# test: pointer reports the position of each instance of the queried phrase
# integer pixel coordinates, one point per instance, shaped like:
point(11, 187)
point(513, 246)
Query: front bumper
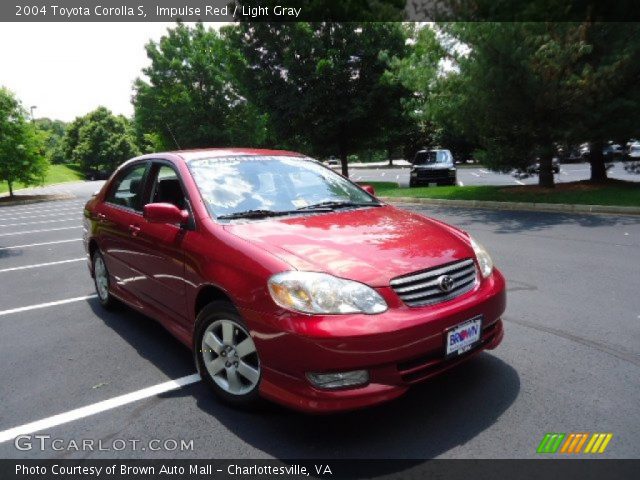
point(398, 348)
point(427, 176)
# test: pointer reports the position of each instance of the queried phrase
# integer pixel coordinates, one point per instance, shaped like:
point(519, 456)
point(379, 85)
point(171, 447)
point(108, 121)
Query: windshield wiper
point(262, 213)
point(332, 204)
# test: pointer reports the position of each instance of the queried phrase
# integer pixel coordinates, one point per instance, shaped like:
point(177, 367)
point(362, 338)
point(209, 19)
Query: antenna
point(173, 136)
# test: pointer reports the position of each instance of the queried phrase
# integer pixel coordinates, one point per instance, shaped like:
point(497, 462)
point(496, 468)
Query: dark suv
point(433, 166)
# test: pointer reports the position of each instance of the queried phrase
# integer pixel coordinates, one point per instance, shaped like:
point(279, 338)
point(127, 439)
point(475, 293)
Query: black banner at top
point(316, 10)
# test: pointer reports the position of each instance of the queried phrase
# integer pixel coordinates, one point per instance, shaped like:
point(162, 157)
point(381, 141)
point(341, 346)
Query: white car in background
point(634, 151)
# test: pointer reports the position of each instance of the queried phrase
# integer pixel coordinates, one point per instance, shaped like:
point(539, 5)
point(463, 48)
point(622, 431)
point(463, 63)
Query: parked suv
point(432, 167)
point(288, 281)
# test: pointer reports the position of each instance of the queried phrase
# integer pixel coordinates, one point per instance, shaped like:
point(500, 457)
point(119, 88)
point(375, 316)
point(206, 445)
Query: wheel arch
point(207, 294)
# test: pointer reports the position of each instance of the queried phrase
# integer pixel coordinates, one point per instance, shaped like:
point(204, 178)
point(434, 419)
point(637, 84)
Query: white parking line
point(38, 265)
point(45, 305)
point(483, 171)
point(39, 222)
point(474, 174)
point(32, 206)
point(519, 182)
point(10, 211)
point(99, 407)
point(46, 215)
point(28, 245)
point(37, 231)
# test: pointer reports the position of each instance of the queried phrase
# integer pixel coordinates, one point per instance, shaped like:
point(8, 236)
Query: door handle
point(134, 230)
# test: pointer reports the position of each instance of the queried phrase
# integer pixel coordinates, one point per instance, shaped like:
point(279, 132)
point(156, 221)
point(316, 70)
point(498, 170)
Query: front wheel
point(226, 356)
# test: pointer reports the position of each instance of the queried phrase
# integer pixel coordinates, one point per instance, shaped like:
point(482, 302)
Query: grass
point(55, 174)
point(614, 192)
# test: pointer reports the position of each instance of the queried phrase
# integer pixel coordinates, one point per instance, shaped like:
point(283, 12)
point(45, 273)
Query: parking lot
point(476, 175)
point(570, 361)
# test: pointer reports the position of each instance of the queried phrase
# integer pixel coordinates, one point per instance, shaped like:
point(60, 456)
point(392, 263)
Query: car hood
point(370, 245)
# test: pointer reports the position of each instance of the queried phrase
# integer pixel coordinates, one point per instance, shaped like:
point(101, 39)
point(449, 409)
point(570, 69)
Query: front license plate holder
point(463, 337)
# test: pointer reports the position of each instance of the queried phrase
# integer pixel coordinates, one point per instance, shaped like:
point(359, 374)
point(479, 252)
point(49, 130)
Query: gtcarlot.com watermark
point(45, 443)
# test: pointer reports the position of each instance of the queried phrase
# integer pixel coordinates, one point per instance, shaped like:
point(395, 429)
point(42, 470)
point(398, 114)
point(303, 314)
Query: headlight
point(484, 259)
point(313, 292)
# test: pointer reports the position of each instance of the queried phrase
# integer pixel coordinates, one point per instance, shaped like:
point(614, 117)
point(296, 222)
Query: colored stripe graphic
point(598, 443)
point(550, 443)
point(574, 443)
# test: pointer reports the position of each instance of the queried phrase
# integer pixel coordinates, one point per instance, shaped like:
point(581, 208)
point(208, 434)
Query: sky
point(68, 69)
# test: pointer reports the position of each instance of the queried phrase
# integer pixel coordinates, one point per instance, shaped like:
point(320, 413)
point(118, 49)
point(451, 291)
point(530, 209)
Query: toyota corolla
point(288, 281)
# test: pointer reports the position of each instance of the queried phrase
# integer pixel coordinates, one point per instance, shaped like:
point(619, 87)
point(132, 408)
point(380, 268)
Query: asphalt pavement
point(570, 360)
point(473, 175)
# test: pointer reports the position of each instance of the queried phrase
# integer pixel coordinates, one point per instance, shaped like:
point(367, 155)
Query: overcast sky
point(68, 69)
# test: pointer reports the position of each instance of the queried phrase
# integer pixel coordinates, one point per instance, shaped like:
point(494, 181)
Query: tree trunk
point(343, 163)
point(390, 153)
point(545, 177)
point(596, 158)
point(10, 188)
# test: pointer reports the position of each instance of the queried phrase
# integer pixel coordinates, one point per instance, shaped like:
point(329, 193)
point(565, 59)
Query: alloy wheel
point(230, 357)
point(102, 278)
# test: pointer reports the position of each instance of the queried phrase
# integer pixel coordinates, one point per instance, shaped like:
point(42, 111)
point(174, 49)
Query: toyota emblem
point(445, 283)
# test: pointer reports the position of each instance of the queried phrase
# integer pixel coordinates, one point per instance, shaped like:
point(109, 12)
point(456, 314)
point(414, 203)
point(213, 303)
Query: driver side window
point(167, 187)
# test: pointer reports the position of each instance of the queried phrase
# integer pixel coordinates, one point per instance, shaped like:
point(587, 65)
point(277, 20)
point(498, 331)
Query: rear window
point(127, 190)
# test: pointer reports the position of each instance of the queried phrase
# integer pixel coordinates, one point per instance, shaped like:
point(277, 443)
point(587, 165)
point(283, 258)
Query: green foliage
point(191, 99)
point(522, 88)
point(99, 141)
point(577, 193)
point(21, 145)
point(54, 132)
point(322, 84)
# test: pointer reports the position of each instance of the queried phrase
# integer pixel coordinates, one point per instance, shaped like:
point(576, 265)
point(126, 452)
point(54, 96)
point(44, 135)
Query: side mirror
point(165, 213)
point(369, 189)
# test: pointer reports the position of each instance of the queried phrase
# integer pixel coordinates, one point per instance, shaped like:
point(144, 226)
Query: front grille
point(423, 288)
point(432, 173)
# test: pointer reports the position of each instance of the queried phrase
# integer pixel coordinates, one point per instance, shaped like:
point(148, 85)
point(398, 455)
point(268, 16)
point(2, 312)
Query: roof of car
point(226, 152)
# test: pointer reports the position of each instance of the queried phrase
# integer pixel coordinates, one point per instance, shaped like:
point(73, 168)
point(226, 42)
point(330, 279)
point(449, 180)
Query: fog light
point(339, 379)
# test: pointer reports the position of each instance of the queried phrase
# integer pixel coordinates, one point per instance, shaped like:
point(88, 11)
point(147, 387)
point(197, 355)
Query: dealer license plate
point(463, 337)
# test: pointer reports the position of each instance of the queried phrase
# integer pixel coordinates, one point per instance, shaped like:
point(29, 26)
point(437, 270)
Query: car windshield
point(426, 158)
point(255, 186)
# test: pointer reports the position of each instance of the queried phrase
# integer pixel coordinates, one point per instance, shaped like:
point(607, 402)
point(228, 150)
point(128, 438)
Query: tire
point(226, 356)
point(102, 281)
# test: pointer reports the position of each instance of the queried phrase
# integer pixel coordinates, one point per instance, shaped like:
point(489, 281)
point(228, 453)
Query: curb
point(521, 206)
point(41, 198)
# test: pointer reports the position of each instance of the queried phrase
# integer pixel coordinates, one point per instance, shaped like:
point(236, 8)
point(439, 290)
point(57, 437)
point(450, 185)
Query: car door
point(117, 217)
point(160, 257)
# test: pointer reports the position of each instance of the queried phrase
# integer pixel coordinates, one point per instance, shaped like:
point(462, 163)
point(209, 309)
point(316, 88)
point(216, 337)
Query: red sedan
point(288, 281)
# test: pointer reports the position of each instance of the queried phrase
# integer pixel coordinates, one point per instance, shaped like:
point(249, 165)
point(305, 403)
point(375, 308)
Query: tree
point(515, 89)
point(607, 79)
point(21, 145)
point(322, 84)
point(191, 99)
point(99, 141)
point(54, 132)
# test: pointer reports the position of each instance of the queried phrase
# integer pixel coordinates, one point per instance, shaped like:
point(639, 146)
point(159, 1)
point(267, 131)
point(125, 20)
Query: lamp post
point(33, 107)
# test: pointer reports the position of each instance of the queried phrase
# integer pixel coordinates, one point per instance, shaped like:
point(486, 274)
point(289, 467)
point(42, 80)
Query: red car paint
point(168, 273)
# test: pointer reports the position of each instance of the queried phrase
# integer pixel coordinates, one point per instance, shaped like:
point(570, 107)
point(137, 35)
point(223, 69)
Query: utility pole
point(33, 107)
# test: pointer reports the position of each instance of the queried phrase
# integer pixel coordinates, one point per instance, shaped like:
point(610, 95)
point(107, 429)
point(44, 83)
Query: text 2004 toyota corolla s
point(288, 281)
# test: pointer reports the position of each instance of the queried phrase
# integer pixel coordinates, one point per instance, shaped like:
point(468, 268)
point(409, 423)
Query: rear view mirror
point(165, 213)
point(369, 189)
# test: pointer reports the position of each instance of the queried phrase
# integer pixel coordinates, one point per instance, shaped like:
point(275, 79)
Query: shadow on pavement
point(506, 221)
point(431, 419)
